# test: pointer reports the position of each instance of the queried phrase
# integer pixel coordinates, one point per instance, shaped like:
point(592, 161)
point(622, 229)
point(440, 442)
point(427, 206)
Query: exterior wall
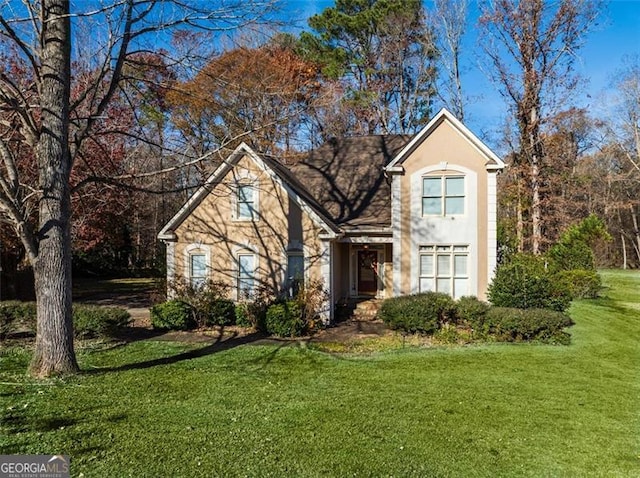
point(341, 268)
point(388, 271)
point(280, 226)
point(444, 151)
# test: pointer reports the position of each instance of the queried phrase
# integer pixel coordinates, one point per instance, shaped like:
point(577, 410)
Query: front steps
point(358, 310)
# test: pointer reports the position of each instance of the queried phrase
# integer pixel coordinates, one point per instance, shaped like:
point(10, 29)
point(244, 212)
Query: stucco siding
point(279, 226)
point(445, 152)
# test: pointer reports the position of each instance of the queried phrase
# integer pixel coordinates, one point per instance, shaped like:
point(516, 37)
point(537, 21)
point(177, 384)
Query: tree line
point(111, 113)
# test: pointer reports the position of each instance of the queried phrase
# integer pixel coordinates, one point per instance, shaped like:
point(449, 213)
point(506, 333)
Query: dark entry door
point(367, 272)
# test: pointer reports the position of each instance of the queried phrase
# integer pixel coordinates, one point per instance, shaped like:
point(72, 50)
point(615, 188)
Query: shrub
point(574, 249)
point(172, 315)
point(92, 321)
point(219, 312)
point(89, 321)
point(515, 325)
point(15, 315)
point(582, 284)
point(422, 313)
point(472, 311)
point(525, 283)
point(242, 315)
point(310, 299)
point(284, 319)
point(207, 302)
point(577, 255)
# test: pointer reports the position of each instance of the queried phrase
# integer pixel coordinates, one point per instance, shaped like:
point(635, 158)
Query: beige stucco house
point(374, 216)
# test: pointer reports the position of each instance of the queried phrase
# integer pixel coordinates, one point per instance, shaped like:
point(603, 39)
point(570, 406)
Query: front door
point(367, 272)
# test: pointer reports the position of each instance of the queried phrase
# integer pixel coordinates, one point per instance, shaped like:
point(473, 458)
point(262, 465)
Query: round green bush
point(525, 283)
point(516, 325)
point(92, 321)
point(15, 315)
point(242, 315)
point(172, 315)
point(284, 319)
point(472, 311)
point(582, 284)
point(220, 312)
point(419, 313)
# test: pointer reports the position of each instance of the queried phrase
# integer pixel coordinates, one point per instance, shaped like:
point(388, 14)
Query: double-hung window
point(246, 202)
point(445, 268)
point(197, 270)
point(295, 273)
point(246, 275)
point(443, 195)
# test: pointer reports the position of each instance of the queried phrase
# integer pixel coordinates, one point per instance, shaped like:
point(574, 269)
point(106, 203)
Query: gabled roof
point(346, 176)
point(295, 190)
point(493, 161)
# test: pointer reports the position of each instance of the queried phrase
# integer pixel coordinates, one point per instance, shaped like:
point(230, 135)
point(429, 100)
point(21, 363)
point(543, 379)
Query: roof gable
point(275, 170)
point(492, 160)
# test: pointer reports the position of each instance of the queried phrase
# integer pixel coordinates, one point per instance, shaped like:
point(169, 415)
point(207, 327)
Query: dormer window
point(443, 195)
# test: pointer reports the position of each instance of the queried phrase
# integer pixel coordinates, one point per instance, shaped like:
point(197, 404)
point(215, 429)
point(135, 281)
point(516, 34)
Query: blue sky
point(617, 35)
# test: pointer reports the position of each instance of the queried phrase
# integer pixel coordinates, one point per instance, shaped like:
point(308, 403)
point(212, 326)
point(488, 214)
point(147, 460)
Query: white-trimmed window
point(197, 270)
point(445, 268)
point(443, 195)
point(246, 275)
point(246, 204)
point(295, 273)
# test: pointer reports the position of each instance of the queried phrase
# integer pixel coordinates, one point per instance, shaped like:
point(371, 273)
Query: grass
point(88, 287)
point(152, 409)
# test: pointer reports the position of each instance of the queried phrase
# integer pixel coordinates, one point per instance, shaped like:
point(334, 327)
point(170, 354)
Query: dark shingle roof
point(345, 178)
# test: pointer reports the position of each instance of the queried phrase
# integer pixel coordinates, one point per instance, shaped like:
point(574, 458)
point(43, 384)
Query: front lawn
point(151, 408)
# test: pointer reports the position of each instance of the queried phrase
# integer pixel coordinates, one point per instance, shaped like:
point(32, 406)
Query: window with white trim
point(246, 202)
point(197, 270)
point(445, 268)
point(246, 275)
point(295, 273)
point(443, 195)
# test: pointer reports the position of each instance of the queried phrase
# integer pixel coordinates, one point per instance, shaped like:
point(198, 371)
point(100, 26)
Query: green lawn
point(263, 410)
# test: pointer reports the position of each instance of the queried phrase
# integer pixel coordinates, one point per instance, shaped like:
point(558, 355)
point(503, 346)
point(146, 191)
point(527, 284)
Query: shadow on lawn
point(220, 344)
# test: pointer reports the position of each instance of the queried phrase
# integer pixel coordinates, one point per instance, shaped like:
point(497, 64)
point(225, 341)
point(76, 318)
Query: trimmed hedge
point(525, 283)
point(89, 321)
point(418, 313)
point(439, 315)
point(220, 312)
point(472, 311)
point(582, 284)
point(517, 325)
point(92, 321)
point(284, 319)
point(172, 315)
point(15, 315)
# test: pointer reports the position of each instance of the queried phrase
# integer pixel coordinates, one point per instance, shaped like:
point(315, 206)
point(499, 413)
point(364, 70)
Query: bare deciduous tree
point(450, 20)
point(531, 47)
point(42, 120)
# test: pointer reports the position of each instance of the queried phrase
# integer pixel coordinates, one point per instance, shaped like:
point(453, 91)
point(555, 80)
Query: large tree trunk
point(536, 208)
point(54, 351)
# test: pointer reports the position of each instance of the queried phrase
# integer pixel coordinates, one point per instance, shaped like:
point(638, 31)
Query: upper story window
point(443, 195)
point(246, 202)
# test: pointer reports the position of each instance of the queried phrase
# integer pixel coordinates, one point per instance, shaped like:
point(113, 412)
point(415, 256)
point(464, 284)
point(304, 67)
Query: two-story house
point(373, 216)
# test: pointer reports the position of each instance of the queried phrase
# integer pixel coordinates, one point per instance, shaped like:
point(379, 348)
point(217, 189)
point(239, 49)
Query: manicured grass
point(88, 287)
point(267, 410)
